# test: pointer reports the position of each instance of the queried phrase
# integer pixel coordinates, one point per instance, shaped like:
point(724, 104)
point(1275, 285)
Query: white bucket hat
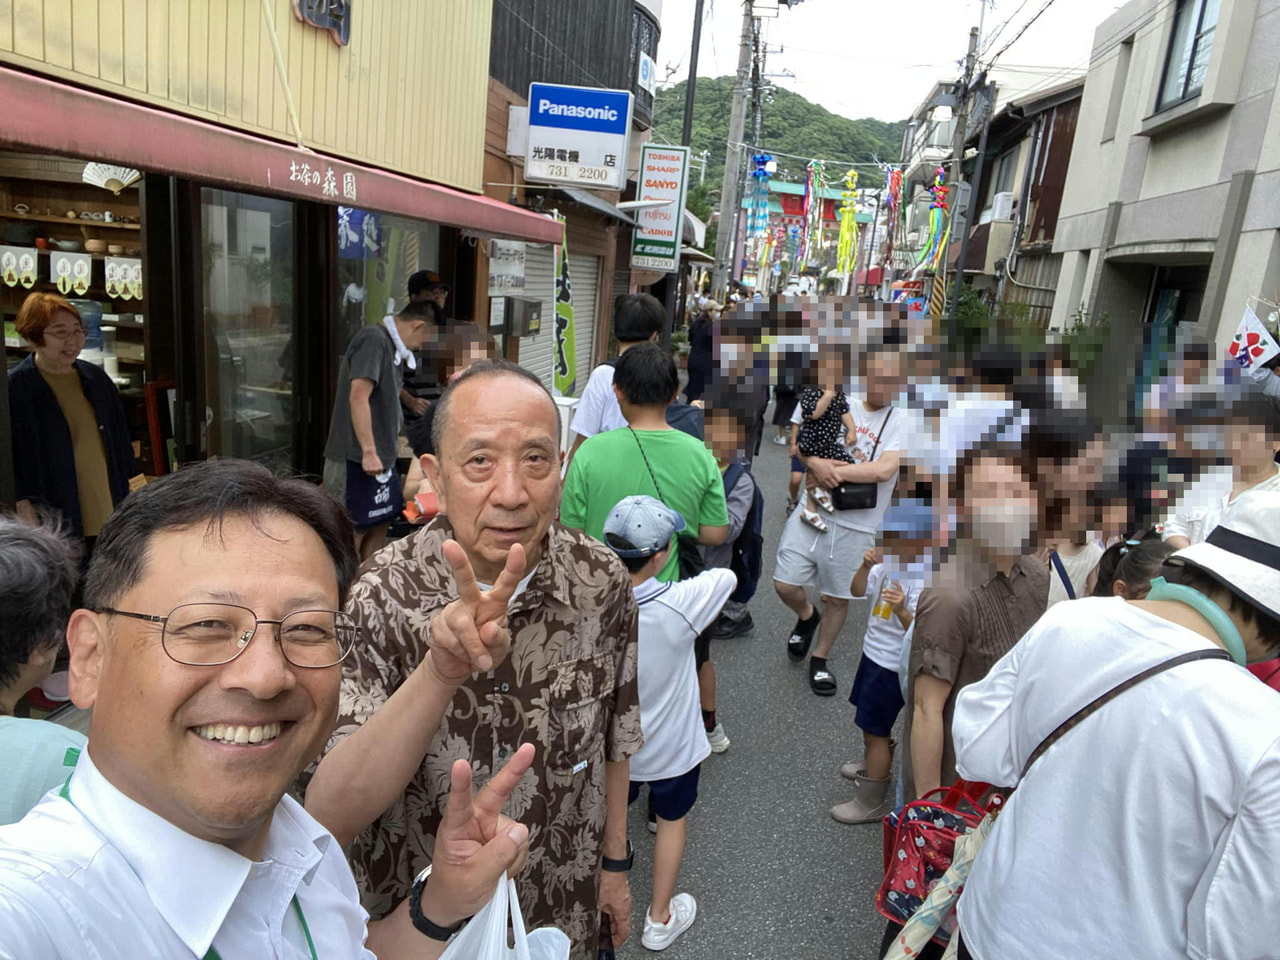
point(1243, 552)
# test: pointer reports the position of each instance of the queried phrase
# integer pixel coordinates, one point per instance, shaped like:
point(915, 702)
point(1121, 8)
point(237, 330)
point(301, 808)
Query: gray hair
point(483, 368)
point(39, 570)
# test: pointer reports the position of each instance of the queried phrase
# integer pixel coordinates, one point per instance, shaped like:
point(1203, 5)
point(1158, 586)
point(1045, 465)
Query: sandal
point(813, 520)
point(823, 499)
point(802, 636)
point(822, 682)
point(791, 505)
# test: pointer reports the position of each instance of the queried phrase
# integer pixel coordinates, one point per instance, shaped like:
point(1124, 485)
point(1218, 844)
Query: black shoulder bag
point(687, 552)
point(860, 496)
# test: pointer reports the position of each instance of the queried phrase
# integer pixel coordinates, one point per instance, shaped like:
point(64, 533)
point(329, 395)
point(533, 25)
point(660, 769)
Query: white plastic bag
point(485, 935)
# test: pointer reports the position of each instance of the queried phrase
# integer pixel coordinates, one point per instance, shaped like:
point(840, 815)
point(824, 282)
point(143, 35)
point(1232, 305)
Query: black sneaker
point(726, 629)
point(802, 636)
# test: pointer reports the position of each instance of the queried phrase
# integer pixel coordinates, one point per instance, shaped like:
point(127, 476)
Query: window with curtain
point(1190, 44)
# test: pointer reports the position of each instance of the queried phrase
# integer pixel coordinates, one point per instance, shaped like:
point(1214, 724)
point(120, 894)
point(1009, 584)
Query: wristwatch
point(619, 866)
point(420, 921)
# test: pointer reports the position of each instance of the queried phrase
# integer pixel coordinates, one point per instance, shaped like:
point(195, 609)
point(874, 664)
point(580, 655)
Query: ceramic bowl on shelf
point(67, 246)
point(42, 243)
point(21, 209)
point(115, 249)
point(96, 246)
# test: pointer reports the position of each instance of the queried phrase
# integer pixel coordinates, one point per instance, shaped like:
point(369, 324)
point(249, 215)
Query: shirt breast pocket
point(578, 702)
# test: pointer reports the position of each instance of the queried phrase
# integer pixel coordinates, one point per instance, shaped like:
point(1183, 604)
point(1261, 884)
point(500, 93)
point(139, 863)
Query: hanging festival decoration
point(846, 248)
point(758, 205)
point(893, 209)
point(811, 227)
point(939, 224)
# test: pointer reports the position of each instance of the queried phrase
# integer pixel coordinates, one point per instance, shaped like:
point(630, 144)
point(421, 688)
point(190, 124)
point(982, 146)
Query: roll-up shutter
point(539, 284)
point(584, 274)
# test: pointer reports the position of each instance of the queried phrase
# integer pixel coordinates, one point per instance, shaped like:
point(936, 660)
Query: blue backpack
point(748, 548)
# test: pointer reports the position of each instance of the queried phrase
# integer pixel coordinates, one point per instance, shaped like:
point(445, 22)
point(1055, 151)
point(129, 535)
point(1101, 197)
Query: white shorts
point(828, 560)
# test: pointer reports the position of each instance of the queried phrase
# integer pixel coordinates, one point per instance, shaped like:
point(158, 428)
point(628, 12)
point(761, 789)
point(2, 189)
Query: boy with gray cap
point(641, 530)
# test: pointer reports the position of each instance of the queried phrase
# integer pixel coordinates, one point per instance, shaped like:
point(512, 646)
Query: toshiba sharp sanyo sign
point(578, 135)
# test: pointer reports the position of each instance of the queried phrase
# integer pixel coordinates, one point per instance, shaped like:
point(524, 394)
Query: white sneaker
point(659, 936)
point(716, 737)
point(780, 441)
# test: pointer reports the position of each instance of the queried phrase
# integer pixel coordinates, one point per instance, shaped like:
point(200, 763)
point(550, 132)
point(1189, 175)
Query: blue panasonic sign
point(579, 108)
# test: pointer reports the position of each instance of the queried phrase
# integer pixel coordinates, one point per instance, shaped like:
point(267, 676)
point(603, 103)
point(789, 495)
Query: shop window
point(1190, 44)
point(377, 253)
point(249, 329)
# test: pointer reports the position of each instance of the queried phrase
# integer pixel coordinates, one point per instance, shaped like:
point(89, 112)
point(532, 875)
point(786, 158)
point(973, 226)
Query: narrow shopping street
point(773, 874)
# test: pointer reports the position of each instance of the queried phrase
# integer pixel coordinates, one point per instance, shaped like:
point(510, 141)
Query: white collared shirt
point(90, 874)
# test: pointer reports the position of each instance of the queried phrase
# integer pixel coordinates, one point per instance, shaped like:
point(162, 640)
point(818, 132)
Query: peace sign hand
point(470, 634)
point(475, 843)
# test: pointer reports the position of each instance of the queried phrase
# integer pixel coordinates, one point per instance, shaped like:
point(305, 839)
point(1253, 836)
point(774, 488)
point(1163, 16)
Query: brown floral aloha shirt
point(568, 686)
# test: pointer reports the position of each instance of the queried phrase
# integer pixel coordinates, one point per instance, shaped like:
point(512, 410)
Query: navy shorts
point(796, 465)
point(670, 799)
point(877, 695)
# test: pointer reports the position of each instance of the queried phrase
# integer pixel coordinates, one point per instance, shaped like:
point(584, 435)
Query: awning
point(586, 198)
point(42, 114)
point(690, 255)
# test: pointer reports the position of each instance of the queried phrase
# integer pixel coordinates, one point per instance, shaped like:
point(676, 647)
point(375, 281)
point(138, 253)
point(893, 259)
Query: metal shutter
point(584, 274)
point(539, 284)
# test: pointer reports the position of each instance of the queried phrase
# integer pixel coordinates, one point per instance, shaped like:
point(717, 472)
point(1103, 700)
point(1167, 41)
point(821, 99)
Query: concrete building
point(1171, 212)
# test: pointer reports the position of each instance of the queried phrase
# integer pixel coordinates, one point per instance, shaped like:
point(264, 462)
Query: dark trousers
point(931, 950)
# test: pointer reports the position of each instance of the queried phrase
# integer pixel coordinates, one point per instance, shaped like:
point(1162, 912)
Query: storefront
point(255, 263)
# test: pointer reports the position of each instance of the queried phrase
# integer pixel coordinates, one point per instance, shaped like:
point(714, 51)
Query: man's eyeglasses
point(209, 634)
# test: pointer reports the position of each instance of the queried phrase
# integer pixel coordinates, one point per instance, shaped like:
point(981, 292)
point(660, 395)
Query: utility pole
point(957, 153)
point(725, 236)
point(686, 132)
point(675, 286)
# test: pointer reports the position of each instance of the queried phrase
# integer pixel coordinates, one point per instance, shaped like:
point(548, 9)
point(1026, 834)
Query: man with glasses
point(172, 835)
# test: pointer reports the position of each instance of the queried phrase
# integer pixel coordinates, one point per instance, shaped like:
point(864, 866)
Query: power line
point(995, 35)
point(1034, 17)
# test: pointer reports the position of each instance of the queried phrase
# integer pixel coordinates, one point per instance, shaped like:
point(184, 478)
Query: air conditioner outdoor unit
point(1002, 206)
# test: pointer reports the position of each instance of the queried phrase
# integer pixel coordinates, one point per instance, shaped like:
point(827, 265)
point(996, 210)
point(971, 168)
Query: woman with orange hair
point(71, 447)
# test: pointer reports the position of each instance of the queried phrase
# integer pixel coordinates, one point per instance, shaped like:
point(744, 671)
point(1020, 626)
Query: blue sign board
point(578, 135)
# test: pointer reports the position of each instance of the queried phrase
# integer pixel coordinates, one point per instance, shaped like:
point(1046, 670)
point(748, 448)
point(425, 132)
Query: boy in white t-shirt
point(639, 530)
point(892, 578)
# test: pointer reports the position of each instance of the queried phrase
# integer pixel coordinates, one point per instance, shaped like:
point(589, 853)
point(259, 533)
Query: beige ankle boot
point(870, 803)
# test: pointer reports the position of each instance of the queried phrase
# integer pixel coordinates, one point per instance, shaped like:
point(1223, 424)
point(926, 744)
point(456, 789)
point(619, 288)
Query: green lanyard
point(72, 757)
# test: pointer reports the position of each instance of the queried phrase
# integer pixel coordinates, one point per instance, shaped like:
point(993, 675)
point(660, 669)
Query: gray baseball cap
point(645, 523)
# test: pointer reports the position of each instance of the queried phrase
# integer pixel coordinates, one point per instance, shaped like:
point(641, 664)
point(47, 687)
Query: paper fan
point(110, 177)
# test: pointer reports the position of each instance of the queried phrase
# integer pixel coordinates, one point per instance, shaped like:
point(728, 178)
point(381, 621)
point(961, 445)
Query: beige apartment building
point(1170, 219)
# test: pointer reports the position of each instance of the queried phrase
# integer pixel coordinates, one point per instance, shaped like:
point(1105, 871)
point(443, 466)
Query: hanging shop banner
point(124, 278)
point(18, 266)
point(647, 74)
point(565, 358)
point(359, 234)
point(70, 272)
point(655, 242)
point(506, 268)
point(578, 135)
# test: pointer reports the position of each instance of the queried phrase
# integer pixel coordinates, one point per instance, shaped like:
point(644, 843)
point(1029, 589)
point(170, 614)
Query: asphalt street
point(774, 876)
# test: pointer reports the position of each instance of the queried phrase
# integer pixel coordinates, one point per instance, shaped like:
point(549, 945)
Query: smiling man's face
point(153, 718)
point(498, 469)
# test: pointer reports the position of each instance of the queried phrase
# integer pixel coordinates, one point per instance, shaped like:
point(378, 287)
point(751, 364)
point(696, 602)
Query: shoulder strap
point(652, 475)
point(1062, 573)
point(876, 446)
point(732, 474)
point(1072, 721)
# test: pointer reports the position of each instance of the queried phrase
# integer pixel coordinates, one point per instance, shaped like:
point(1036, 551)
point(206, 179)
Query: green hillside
point(790, 124)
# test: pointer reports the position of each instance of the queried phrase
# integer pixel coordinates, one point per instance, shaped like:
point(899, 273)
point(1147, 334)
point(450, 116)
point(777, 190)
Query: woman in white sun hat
point(1151, 829)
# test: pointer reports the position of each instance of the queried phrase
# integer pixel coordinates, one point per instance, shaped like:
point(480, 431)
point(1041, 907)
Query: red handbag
point(919, 842)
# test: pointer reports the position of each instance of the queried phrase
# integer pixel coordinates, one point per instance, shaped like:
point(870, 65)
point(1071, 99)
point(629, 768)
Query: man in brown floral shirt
point(568, 684)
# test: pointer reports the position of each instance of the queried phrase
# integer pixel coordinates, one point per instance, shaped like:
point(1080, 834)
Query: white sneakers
point(659, 936)
point(716, 737)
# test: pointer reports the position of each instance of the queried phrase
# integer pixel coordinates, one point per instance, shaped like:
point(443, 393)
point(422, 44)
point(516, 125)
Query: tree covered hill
point(790, 124)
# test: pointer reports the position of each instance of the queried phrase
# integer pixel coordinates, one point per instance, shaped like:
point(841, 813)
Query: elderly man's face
point(498, 469)
point(149, 712)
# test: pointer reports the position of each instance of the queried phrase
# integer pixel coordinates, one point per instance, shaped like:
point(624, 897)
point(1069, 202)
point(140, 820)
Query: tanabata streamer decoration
point(811, 232)
point(758, 206)
point(893, 209)
point(846, 247)
point(939, 224)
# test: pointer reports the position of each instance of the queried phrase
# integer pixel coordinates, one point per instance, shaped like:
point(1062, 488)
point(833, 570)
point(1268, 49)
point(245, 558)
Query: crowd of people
point(540, 621)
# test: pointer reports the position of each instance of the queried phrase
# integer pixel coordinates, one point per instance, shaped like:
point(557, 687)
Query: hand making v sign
point(470, 634)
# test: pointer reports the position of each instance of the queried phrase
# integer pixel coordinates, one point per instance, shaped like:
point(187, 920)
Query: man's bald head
point(487, 369)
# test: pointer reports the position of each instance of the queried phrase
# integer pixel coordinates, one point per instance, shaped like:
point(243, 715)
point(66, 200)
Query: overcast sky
point(879, 58)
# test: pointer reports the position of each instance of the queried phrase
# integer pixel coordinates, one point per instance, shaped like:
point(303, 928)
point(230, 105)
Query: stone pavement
point(774, 876)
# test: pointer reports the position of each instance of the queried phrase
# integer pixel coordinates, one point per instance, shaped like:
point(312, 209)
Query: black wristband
point(420, 921)
point(619, 866)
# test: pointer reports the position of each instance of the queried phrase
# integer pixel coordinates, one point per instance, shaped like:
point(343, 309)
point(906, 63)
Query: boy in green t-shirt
point(647, 457)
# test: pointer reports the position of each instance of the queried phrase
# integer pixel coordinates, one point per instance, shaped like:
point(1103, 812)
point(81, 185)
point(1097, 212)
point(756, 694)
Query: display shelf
point(68, 221)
